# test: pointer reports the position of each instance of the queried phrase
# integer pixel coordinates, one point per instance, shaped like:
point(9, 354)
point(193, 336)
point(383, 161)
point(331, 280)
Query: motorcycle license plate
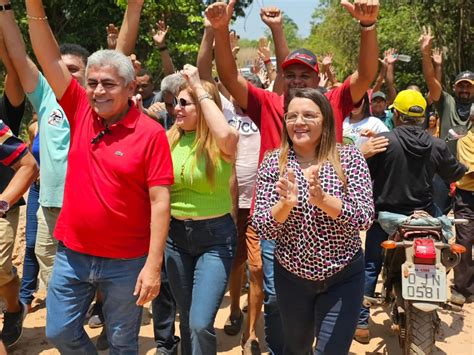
point(424, 283)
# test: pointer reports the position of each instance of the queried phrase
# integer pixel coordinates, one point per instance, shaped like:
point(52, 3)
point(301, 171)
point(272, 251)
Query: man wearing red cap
point(300, 69)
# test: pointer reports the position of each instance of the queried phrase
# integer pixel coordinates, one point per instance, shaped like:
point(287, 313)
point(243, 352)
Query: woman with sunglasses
point(202, 236)
point(313, 197)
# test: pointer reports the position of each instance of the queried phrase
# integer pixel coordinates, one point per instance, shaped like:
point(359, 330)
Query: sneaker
point(96, 319)
point(102, 342)
point(457, 298)
point(233, 325)
point(362, 335)
point(251, 347)
point(13, 326)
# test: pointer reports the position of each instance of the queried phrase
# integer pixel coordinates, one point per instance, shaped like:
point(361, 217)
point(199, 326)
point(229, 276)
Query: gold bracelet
point(36, 18)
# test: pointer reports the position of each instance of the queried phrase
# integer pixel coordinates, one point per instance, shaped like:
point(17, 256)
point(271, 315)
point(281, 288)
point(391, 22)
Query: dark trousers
point(331, 307)
point(164, 314)
point(464, 272)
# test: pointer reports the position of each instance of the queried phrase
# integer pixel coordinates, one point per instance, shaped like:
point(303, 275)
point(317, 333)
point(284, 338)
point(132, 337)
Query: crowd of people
point(176, 195)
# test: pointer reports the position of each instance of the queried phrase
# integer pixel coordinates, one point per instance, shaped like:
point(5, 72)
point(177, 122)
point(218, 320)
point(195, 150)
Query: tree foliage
point(399, 26)
point(84, 22)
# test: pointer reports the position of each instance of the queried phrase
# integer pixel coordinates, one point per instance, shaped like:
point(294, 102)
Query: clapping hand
point(316, 193)
point(287, 188)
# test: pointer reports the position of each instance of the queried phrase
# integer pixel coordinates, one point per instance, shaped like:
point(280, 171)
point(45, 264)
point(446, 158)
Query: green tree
point(84, 22)
point(399, 26)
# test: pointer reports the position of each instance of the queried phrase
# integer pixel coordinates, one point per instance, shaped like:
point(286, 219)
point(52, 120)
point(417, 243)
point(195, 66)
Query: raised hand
point(219, 14)
point(264, 51)
point(437, 56)
point(191, 74)
point(323, 79)
point(234, 42)
point(374, 145)
point(287, 188)
point(159, 34)
point(327, 60)
point(137, 65)
point(256, 66)
point(112, 35)
point(316, 193)
point(272, 16)
point(390, 56)
point(426, 40)
point(366, 11)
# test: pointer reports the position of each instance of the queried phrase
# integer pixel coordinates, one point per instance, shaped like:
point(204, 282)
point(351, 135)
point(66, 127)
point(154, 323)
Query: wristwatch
point(4, 207)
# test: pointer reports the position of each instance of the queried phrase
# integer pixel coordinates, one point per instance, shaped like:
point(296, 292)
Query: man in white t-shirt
point(248, 244)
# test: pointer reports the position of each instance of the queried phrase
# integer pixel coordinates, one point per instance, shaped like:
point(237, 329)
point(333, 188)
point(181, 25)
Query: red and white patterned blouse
point(309, 243)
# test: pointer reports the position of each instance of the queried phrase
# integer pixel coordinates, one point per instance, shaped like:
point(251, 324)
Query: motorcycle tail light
point(458, 248)
point(388, 244)
point(424, 251)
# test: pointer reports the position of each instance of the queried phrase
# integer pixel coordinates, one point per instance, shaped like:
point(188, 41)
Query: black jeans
point(331, 307)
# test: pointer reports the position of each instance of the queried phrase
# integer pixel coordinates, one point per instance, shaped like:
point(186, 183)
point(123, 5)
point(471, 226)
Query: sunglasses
point(181, 102)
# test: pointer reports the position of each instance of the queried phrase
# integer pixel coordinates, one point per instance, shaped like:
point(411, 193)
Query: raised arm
point(390, 59)
point(434, 85)
point(127, 37)
point(368, 50)
point(219, 15)
point(437, 57)
point(204, 58)
point(225, 135)
point(381, 77)
point(159, 36)
point(23, 66)
point(46, 48)
point(13, 88)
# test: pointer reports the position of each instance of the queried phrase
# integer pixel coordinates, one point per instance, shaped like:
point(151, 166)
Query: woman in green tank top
point(202, 236)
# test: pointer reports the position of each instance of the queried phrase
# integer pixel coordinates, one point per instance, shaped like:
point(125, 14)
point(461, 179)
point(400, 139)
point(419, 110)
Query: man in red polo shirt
point(300, 69)
point(114, 220)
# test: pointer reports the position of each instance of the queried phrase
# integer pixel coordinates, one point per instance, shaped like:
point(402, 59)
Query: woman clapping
point(313, 197)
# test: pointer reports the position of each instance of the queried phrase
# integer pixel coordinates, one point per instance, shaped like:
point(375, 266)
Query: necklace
point(306, 163)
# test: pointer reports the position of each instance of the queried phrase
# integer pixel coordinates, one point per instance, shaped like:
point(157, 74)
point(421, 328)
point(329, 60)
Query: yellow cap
point(410, 103)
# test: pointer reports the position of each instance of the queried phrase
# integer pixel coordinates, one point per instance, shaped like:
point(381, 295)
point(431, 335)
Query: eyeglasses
point(182, 102)
point(308, 117)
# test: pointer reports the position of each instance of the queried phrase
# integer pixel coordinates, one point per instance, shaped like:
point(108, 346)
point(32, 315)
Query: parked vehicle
point(416, 263)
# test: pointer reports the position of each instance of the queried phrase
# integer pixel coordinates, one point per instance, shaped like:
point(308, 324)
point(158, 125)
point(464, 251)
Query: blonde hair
point(327, 149)
point(204, 144)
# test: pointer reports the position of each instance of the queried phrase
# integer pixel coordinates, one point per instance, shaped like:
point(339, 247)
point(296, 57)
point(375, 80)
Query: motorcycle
point(417, 259)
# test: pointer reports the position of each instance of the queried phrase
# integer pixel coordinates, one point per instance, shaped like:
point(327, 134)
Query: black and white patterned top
point(309, 243)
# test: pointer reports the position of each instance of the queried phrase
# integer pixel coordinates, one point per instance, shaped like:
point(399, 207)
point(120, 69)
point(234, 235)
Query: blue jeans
point(271, 312)
point(164, 314)
point(73, 285)
point(330, 306)
point(199, 255)
point(29, 281)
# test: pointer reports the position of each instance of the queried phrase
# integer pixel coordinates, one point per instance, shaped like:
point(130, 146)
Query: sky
point(252, 27)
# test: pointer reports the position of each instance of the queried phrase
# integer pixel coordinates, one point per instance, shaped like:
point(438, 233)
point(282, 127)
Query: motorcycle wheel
point(420, 334)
